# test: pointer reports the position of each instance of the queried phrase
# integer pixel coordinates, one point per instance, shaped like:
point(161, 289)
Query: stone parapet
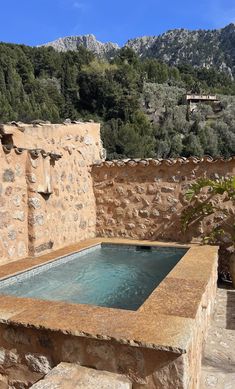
point(144, 199)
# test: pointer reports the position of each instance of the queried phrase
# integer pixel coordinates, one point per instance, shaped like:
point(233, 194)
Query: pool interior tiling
point(108, 275)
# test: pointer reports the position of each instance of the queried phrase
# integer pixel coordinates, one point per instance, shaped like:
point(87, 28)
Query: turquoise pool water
point(108, 276)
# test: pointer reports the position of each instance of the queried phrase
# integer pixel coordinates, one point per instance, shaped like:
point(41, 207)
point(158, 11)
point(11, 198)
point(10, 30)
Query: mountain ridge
point(199, 48)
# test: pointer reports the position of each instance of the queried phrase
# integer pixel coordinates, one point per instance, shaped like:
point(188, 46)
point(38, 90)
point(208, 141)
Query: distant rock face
point(201, 48)
point(103, 50)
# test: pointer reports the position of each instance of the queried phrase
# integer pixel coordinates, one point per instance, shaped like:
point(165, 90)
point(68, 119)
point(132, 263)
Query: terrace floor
point(218, 364)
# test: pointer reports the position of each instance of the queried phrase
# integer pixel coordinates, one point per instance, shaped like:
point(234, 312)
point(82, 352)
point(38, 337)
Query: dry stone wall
point(46, 192)
point(145, 199)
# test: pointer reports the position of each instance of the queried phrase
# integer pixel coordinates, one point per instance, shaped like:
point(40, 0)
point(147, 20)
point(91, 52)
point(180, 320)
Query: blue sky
point(34, 22)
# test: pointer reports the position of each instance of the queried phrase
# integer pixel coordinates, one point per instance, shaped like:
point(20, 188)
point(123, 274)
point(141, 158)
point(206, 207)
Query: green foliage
point(140, 102)
point(208, 197)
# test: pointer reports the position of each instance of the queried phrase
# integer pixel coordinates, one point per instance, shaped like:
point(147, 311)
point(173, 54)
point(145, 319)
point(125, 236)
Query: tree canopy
point(40, 83)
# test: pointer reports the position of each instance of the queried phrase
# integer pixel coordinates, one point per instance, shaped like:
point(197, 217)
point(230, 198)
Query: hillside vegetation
point(140, 102)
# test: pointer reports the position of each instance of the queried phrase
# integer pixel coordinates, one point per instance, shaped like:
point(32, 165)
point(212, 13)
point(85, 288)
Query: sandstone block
point(139, 189)
point(167, 189)
point(38, 363)
point(111, 222)
point(19, 215)
point(32, 178)
point(75, 377)
point(119, 211)
point(88, 140)
point(172, 200)
point(8, 175)
point(17, 200)
point(120, 190)
point(125, 203)
point(146, 203)
point(37, 220)
point(34, 202)
point(12, 234)
point(4, 219)
point(130, 226)
point(155, 213)
point(8, 191)
point(151, 189)
point(144, 213)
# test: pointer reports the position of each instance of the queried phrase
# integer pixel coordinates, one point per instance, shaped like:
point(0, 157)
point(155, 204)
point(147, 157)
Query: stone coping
point(164, 322)
point(161, 161)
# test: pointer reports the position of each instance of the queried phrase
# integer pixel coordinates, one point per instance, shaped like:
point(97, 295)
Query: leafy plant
point(210, 197)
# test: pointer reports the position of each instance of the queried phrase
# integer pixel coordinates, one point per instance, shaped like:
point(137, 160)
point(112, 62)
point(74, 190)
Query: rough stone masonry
point(46, 192)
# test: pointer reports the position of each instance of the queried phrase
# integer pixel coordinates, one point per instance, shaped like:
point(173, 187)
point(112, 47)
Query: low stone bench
point(71, 376)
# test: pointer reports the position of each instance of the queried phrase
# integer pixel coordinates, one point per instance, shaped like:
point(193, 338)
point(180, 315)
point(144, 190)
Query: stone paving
point(218, 364)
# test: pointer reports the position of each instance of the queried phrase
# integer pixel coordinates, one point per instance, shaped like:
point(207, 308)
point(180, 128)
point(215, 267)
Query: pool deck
point(164, 322)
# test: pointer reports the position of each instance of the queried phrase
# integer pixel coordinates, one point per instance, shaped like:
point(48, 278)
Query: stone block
point(167, 189)
point(144, 213)
point(4, 219)
point(152, 190)
point(140, 189)
point(8, 191)
point(35, 202)
point(8, 175)
point(17, 200)
point(19, 215)
point(71, 376)
point(38, 363)
point(12, 234)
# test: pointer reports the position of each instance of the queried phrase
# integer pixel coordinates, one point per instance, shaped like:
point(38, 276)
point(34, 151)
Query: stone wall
point(13, 206)
point(46, 195)
point(145, 199)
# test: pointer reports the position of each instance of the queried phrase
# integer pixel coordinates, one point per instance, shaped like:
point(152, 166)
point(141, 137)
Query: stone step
point(71, 376)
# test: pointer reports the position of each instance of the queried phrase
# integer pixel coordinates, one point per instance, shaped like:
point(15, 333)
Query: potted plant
point(211, 205)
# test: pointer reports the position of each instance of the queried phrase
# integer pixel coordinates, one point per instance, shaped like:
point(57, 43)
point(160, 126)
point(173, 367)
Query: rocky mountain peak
point(199, 48)
point(88, 41)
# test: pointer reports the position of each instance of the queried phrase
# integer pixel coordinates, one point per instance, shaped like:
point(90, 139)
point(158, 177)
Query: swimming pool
point(106, 275)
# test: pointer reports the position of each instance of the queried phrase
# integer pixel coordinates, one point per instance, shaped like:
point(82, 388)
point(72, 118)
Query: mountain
point(103, 50)
point(199, 48)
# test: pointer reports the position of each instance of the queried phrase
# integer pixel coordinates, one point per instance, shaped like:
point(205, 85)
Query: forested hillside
point(199, 48)
point(140, 102)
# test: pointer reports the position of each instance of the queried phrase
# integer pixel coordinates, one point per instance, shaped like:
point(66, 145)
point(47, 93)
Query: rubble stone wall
point(13, 206)
point(145, 199)
point(46, 193)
